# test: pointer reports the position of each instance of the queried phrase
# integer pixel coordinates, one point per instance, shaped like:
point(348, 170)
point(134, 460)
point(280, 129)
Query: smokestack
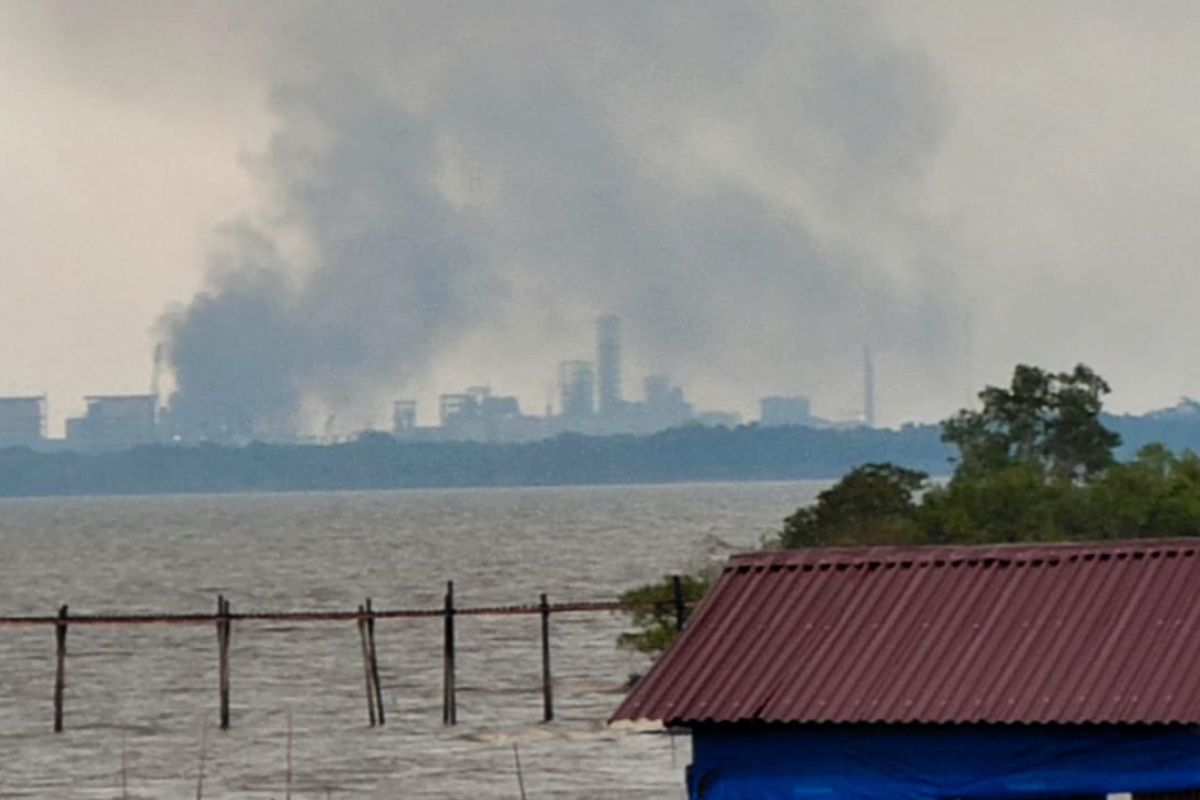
point(608, 363)
point(868, 387)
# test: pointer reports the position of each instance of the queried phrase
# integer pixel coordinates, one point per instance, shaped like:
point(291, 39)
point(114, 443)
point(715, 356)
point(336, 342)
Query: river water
point(141, 702)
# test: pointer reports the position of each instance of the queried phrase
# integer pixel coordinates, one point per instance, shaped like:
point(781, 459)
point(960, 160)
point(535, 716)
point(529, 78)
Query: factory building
point(479, 415)
point(476, 403)
point(608, 365)
point(577, 390)
point(114, 422)
point(455, 409)
point(776, 411)
point(664, 406)
point(404, 416)
point(22, 421)
point(591, 401)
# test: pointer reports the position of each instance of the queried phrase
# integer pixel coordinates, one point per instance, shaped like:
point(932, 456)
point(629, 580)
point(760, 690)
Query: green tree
point(652, 611)
point(872, 504)
point(1030, 462)
point(1043, 421)
point(1013, 504)
point(1156, 494)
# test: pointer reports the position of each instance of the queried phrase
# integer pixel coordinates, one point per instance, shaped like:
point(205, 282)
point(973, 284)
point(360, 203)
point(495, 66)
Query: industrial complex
point(591, 401)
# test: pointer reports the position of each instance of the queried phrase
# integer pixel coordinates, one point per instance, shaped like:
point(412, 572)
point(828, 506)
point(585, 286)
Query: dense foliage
point(1043, 422)
point(1155, 494)
point(653, 611)
point(1035, 463)
point(377, 461)
point(871, 505)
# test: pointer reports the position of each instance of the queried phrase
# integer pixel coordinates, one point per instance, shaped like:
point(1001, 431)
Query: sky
point(319, 208)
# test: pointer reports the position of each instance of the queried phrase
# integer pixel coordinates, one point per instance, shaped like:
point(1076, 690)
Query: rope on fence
point(582, 606)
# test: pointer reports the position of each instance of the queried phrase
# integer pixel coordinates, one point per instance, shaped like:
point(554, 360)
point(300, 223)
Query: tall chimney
point(608, 364)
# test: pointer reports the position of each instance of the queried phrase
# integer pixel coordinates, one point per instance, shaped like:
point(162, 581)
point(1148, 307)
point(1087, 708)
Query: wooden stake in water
point(124, 767)
point(203, 756)
point(224, 634)
point(547, 683)
point(520, 776)
point(680, 607)
point(374, 662)
point(366, 657)
point(287, 779)
point(60, 672)
point(449, 701)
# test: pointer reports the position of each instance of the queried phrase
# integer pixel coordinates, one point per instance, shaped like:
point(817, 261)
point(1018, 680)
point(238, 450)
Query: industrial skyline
point(591, 399)
point(757, 191)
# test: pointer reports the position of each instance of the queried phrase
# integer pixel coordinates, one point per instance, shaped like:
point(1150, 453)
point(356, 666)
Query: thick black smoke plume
point(736, 182)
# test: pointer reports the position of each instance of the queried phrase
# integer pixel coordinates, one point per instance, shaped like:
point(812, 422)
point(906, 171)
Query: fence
point(364, 617)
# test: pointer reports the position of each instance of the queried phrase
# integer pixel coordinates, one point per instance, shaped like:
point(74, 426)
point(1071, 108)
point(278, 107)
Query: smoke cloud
point(737, 183)
point(389, 269)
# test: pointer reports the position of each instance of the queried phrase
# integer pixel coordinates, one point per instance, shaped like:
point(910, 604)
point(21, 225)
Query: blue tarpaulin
point(985, 762)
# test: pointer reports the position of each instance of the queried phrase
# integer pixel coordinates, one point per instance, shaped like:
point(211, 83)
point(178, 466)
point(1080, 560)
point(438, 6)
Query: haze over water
point(153, 686)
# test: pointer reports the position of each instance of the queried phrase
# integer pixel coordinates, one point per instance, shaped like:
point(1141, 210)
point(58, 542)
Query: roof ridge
point(1000, 551)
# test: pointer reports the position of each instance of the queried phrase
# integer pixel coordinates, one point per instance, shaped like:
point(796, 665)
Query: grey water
point(141, 702)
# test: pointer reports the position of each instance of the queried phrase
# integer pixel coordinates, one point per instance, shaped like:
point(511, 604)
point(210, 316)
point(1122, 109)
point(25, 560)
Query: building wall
point(116, 422)
point(577, 389)
point(608, 364)
point(866, 762)
point(785, 411)
point(22, 421)
point(404, 416)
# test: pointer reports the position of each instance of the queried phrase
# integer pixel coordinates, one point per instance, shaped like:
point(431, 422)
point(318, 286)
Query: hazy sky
point(320, 207)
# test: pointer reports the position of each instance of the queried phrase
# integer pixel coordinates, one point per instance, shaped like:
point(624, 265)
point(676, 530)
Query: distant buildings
point(577, 390)
point(479, 415)
point(608, 365)
point(782, 410)
point(591, 401)
point(776, 411)
point(114, 422)
point(474, 415)
point(664, 405)
point(22, 421)
point(404, 416)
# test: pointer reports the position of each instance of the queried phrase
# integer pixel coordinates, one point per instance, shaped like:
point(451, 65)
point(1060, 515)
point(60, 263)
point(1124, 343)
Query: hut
point(1012, 671)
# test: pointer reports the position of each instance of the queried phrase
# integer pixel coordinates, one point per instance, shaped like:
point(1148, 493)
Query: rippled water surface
point(140, 700)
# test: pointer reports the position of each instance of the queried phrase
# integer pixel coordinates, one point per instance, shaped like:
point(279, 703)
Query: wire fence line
point(365, 617)
point(185, 618)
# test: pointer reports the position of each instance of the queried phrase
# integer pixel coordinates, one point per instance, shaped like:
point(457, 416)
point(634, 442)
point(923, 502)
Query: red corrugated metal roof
point(1065, 633)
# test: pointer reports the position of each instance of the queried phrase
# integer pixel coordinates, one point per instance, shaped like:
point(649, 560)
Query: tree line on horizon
point(378, 461)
